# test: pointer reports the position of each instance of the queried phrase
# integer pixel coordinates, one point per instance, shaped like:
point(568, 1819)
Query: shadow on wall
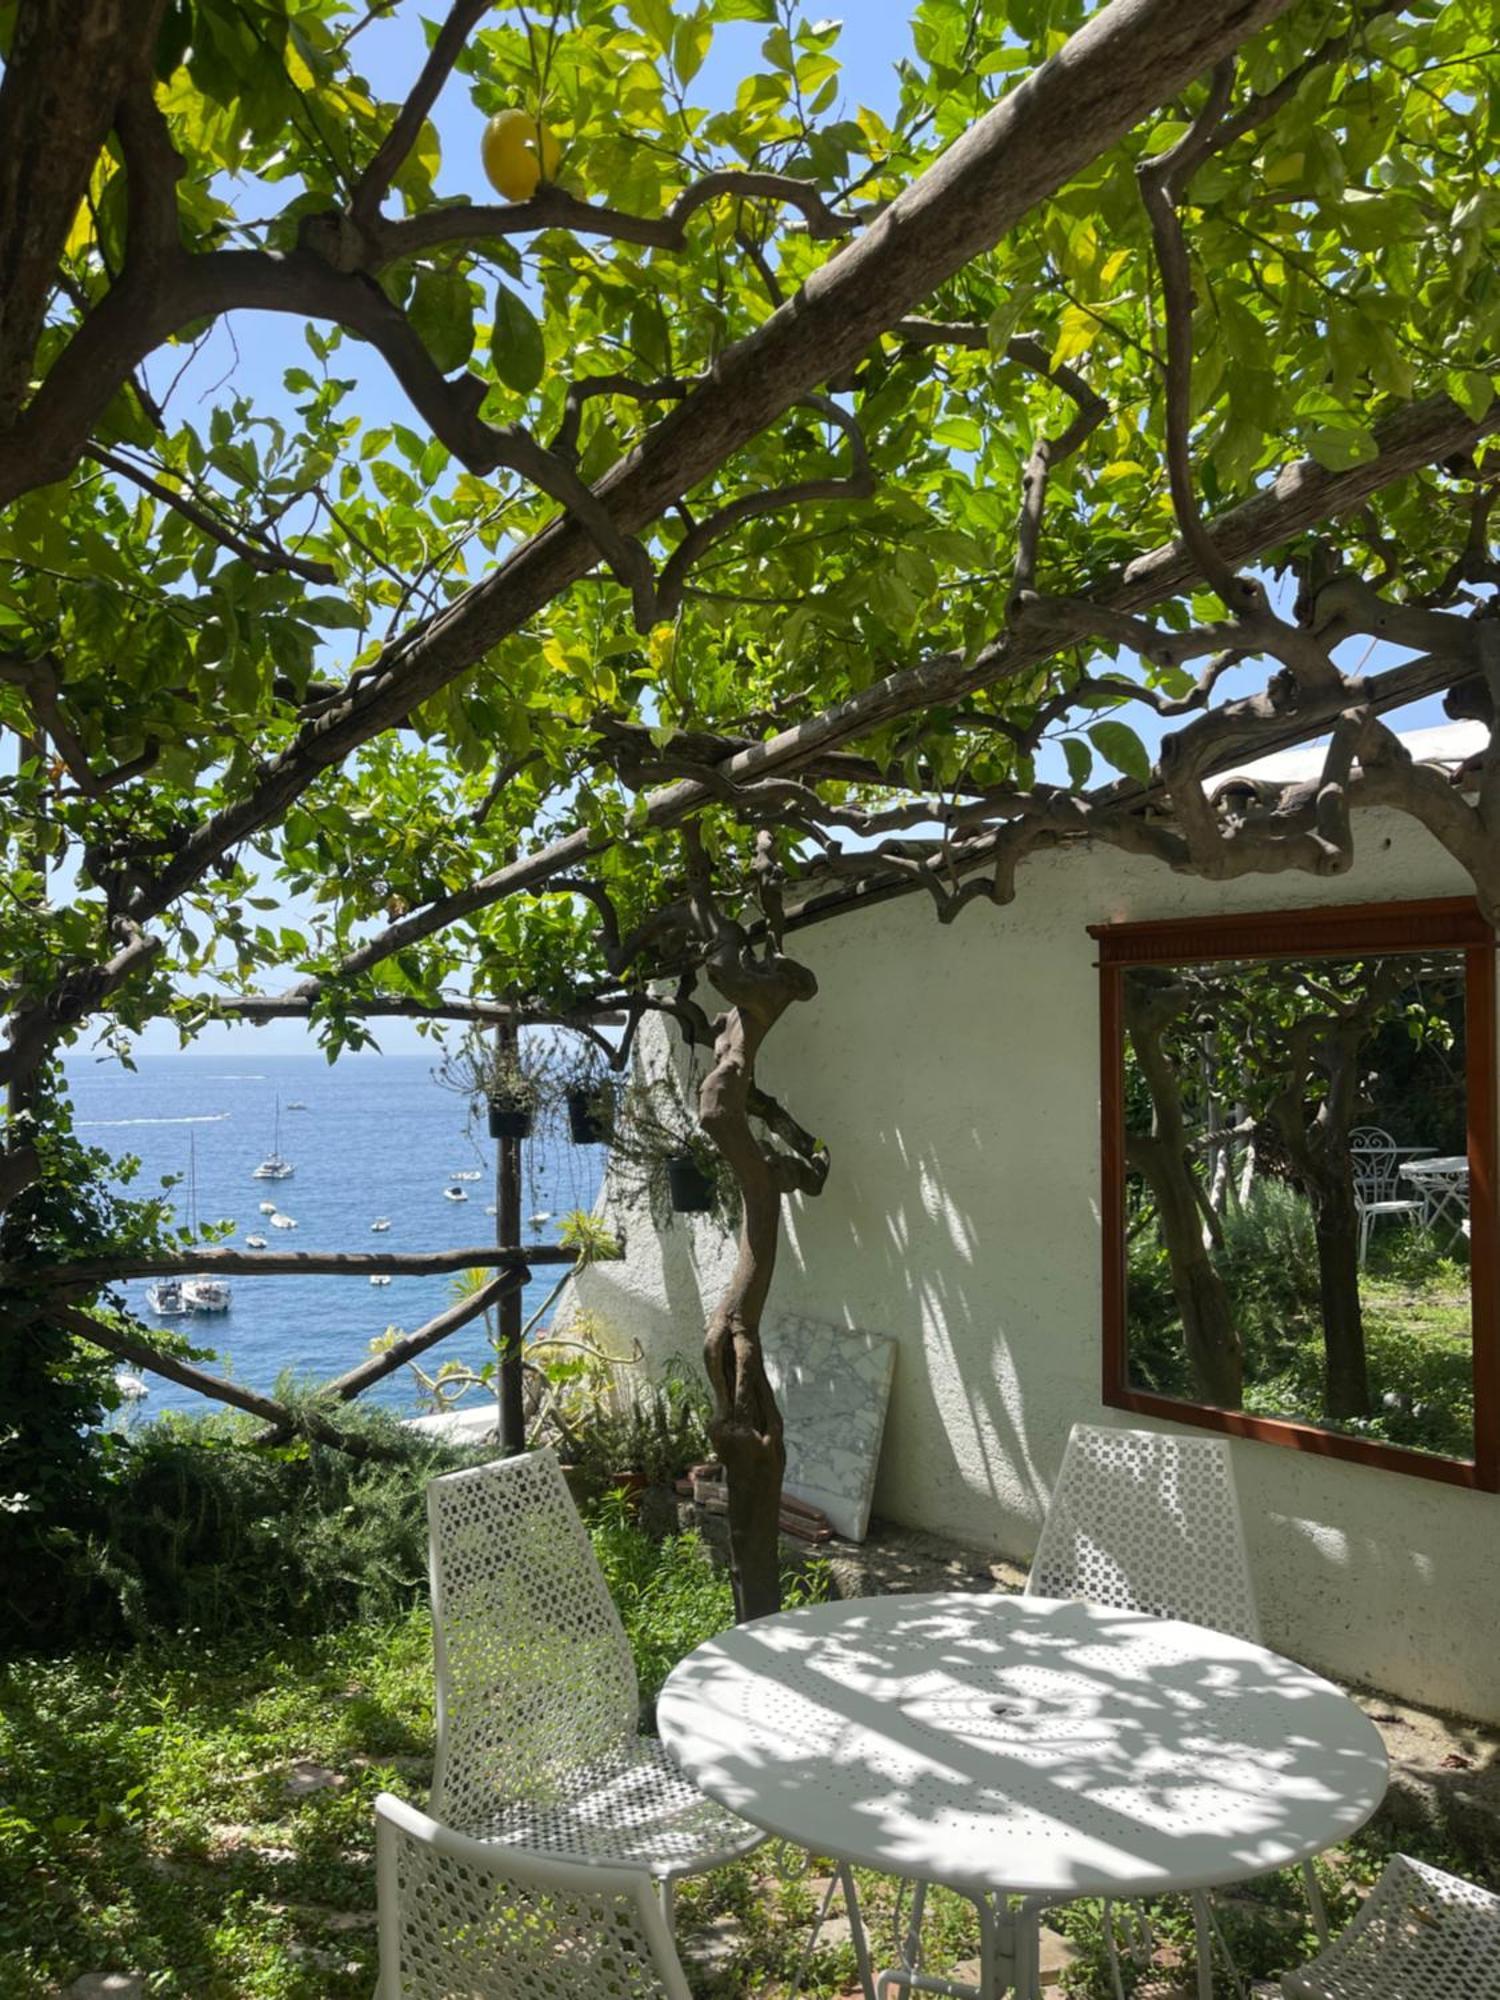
point(954, 1076)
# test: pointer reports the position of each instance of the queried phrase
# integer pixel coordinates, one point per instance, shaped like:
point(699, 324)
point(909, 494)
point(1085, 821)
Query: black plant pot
point(590, 1117)
point(506, 1122)
point(691, 1189)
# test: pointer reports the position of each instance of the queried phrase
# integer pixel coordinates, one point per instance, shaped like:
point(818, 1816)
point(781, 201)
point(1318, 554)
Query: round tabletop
point(1018, 1744)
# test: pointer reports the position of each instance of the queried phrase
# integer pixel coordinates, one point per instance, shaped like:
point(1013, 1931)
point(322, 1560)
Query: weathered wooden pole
point(507, 1227)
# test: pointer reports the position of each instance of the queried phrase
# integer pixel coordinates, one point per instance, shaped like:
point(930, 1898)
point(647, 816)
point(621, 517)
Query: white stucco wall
point(954, 1073)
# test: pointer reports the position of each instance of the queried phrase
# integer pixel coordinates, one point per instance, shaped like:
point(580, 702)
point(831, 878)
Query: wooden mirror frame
point(1343, 931)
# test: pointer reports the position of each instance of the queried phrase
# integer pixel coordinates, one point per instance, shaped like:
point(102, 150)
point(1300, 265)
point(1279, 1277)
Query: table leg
point(1009, 1955)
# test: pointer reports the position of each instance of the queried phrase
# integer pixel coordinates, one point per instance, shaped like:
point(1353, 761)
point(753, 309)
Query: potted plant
point(690, 1181)
point(512, 1097)
point(510, 1081)
point(659, 1144)
point(589, 1092)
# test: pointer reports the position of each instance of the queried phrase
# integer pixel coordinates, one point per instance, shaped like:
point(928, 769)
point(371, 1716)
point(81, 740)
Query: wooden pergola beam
point(291, 1263)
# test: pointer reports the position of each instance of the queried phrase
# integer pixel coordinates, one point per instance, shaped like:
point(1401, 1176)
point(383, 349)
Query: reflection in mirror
point(1296, 1192)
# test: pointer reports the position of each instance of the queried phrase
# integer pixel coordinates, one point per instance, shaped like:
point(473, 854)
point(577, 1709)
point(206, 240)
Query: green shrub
point(195, 1528)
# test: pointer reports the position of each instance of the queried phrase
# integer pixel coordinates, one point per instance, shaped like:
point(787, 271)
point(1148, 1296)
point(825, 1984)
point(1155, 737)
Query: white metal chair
point(537, 1700)
point(1150, 1521)
point(1376, 1161)
point(464, 1919)
point(1421, 1935)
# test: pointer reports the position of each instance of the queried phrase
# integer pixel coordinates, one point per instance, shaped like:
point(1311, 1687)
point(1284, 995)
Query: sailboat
point(201, 1295)
point(273, 1167)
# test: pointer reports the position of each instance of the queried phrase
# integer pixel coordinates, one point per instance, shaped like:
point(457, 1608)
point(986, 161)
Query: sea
point(371, 1136)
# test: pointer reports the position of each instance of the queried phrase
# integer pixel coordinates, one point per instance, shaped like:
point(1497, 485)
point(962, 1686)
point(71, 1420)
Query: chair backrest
point(1374, 1157)
point(465, 1919)
point(1148, 1521)
point(534, 1672)
point(1419, 1935)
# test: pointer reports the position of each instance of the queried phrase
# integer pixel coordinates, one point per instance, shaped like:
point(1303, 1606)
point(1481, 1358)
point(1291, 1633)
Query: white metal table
point(1443, 1184)
point(1020, 1748)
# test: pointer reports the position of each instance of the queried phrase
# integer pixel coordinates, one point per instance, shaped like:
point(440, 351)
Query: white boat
point(489, 1208)
point(380, 1278)
point(130, 1385)
point(201, 1294)
point(267, 1207)
point(296, 1104)
point(468, 1174)
point(166, 1299)
point(280, 1221)
point(380, 1225)
point(255, 1242)
point(273, 1167)
point(206, 1295)
point(456, 1193)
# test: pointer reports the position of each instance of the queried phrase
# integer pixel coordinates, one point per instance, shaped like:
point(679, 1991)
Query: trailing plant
point(656, 1126)
point(484, 1071)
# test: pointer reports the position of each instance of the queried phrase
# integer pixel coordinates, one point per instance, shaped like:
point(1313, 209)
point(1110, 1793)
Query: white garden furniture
point(1376, 1161)
point(537, 1701)
point(1150, 1521)
point(1013, 1747)
point(464, 1919)
point(1421, 1935)
point(1443, 1184)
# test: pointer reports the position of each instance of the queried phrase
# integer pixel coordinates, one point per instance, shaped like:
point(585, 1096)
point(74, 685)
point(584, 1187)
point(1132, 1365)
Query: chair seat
point(1393, 1207)
point(635, 1810)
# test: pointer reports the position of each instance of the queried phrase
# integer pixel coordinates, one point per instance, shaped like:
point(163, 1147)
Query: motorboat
point(255, 1242)
point(380, 1278)
point(456, 1193)
point(201, 1294)
point(280, 1221)
point(206, 1295)
point(296, 1104)
point(130, 1385)
point(489, 1208)
point(468, 1174)
point(267, 1207)
point(542, 1215)
point(380, 1225)
point(274, 1167)
point(166, 1299)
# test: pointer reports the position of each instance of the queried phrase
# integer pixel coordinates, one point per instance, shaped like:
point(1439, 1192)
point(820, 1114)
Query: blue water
point(379, 1138)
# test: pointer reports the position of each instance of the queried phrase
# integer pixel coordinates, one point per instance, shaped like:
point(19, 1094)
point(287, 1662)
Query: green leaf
point(1339, 447)
point(1080, 760)
point(516, 350)
point(1118, 744)
point(442, 311)
point(1471, 389)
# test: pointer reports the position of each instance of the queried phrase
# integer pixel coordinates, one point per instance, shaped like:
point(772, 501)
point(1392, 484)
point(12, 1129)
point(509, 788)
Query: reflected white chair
point(537, 1700)
point(1376, 1161)
point(1421, 1935)
point(464, 1919)
point(1150, 1521)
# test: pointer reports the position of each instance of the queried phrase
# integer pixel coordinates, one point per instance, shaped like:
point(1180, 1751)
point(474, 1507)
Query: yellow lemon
point(518, 154)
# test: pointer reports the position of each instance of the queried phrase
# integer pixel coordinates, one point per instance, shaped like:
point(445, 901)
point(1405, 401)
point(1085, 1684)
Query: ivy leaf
point(516, 350)
point(442, 311)
point(1118, 744)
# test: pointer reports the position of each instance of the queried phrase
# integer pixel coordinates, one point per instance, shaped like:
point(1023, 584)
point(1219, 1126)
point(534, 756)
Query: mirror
point(1293, 1190)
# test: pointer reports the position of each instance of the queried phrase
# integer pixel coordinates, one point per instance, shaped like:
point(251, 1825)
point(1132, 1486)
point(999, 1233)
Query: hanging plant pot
point(691, 1189)
point(508, 1121)
point(591, 1116)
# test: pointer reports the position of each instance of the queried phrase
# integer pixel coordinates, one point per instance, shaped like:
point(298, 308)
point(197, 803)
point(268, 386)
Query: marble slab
point(833, 1384)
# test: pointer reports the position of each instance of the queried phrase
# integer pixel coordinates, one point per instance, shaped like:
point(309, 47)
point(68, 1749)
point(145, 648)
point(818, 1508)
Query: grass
point(1415, 1299)
point(201, 1814)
